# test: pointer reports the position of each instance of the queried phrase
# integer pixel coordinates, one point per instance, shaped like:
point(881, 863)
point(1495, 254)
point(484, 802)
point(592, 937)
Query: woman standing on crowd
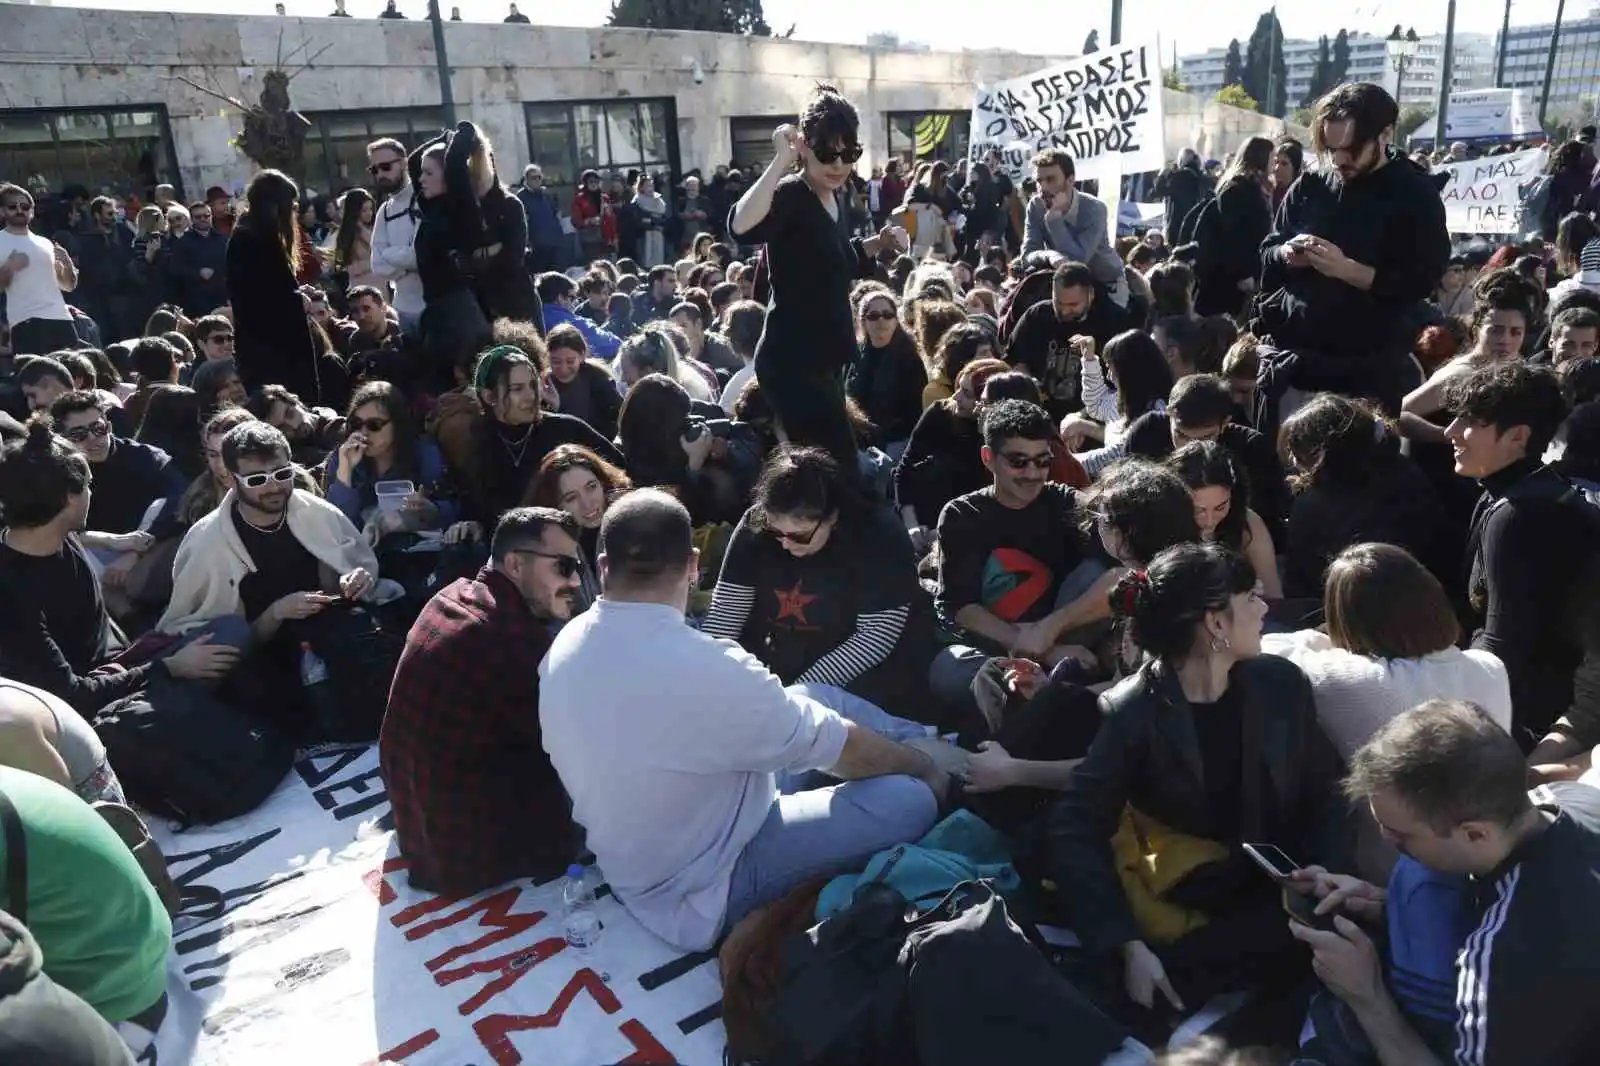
point(576, 480)
point(1228, 260)
point(812, 261)
point(272, 333)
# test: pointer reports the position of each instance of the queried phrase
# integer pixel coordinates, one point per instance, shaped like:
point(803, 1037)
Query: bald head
point(646, 543)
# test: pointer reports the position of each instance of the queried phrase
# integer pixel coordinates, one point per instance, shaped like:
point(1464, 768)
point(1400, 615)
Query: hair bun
point(1130, 594)
point(41, 433)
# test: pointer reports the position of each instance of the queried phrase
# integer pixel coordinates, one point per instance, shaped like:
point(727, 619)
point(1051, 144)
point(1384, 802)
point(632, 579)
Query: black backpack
point(360, 652)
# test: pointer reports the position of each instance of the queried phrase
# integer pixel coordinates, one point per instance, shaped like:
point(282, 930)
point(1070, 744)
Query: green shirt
point(99, 923)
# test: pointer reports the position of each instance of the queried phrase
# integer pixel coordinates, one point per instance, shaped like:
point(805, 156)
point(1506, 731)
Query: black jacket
point(1179, 188)
point(887, 382)
point(1147, 754)
point(1232, 251)
point(191, 253)
point(273, 336)
point(1398, 505)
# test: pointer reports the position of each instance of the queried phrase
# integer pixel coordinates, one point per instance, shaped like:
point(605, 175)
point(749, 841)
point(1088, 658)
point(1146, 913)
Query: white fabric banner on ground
point(1481, 195)
point(1103, 109)
point(327, 957)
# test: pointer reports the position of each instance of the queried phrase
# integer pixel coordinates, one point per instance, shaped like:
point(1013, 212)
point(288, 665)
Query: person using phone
point(1215, 743)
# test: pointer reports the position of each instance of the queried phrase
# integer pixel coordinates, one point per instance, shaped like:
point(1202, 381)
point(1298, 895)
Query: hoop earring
point(1220, 644)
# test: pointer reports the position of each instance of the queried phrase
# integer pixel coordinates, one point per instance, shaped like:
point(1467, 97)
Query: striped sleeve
point(1099, 399)
point(730, 610)
point(1097, 460)
point(874, 639)
point(1476, 971)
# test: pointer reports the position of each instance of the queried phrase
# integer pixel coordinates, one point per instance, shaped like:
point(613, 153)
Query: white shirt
point(669, 760)
point(394, 257)
point(34, 291)
point(1357, 695)
point(735, 386)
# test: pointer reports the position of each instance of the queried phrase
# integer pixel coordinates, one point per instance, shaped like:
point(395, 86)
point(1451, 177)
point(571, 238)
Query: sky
point(1030, 25)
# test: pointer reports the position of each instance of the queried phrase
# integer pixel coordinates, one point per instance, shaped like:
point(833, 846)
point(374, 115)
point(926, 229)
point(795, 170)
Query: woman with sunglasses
point(887, 377)
point(576, 480)
point(942, 459)
point(383, 444)
point(804, 221)
point(822, 587)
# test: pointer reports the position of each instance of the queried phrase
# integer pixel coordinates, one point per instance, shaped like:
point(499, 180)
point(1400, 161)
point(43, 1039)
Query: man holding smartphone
point(1492, 917)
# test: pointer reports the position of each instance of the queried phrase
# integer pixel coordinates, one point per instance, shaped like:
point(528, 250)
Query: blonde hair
point(149, 220)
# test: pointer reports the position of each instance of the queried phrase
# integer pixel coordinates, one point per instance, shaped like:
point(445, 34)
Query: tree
point(714, 16)
point(1321, 74)
point(1235, 96)
point(1091, 43)
point(1411, 120)
point(1341, 60)
point(1233, 65)
point(1172, 78)
point(1266, 75)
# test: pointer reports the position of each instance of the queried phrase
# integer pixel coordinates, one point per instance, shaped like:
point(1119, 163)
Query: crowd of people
point(734, 561)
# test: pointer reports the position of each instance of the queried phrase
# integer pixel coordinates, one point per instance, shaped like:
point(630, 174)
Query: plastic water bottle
point(582, 921)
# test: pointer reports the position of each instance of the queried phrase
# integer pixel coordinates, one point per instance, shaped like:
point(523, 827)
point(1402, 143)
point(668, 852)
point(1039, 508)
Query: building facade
point(1575, 83)
point(1472, 68)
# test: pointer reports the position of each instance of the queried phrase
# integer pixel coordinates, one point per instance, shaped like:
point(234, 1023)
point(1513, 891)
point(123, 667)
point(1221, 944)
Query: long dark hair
point(1207, 464)
point(1253, 163)
point(171, 422)
point(270, 212)
point(650, 428)
point(1336, 442)
point(803, 482)
point(403, 460)
point(1140, 370)
point(1167, 601)
point(1145, 504)
point(349, 226)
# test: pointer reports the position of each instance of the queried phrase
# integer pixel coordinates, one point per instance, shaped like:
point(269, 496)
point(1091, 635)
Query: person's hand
point(1339, 892)
point(1032, 641)
point(790, 144)
point(463, 533)
point(1326, 259)
point(893, 238)
point(1294, 252)
point(1055, 207)
point(206, 274)
point(1077, 430)
point(116, 573)
point(1023, 677)
point(549, 396)
point(719, 448)
point(138, 541)
point(1084, 346)
point(351, 452)
point(1551, 772)
point(1345, 960)
point(417, 505)
point(356, 584)
point(1144, 976)
point(151, 249)
point(202, 661)
point(1077, 653)
point(991, 769)
point(698, 450)
point(17, 261)
point(298, 605)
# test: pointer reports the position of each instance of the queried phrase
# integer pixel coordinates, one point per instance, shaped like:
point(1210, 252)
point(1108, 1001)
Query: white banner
point(1489, 114)
point(1481, 195)
point(327, 957)
point(1104, 110)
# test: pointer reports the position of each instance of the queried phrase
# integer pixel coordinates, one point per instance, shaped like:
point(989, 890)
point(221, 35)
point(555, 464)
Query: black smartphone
point(1303, 909)
point(1272, 860)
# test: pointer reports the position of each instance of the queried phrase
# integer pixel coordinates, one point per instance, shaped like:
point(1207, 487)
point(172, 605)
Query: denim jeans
point(832, 830)
point(860, 711)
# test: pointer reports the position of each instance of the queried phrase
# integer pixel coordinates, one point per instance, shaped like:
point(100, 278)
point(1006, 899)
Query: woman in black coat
point(1228, 260)
point(272, 333)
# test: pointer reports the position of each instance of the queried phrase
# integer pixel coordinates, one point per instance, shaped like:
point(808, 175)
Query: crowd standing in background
point(1240, 574)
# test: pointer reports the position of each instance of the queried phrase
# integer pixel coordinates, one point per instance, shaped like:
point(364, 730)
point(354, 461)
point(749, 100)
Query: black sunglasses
point(256, 481)
point(566, 565)
point(370, 425)
point(220, 338)
point(378, 168)
point(830, 155)
point(1022, 462)
point(879, 316)
point(79, 434)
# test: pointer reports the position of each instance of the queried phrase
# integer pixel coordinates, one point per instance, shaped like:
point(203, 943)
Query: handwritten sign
point(1104, 110)
point(1482, 195)
point(326, 955)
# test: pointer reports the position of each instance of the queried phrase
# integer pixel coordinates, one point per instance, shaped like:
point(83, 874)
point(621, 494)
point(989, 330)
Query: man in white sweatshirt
point(394, 230)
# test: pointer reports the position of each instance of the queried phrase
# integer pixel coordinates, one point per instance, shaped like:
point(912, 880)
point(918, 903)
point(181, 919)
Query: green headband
point(489, 361)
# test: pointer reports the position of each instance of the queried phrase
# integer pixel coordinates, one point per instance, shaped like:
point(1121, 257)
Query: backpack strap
point(16, 860)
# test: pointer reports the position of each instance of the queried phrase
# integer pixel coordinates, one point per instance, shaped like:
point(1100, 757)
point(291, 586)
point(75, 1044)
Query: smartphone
point(1278, 865)
point(1303, 909)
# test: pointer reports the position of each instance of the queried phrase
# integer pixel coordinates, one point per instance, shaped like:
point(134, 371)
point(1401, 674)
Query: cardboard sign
point(1482, 195)
point(327, 957)
point(1104, 110)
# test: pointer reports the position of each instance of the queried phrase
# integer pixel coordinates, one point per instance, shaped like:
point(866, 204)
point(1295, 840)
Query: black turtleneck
point(1527, 546)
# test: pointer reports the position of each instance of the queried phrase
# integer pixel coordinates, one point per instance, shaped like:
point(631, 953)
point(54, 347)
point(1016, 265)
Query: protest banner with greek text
point(1482, 195)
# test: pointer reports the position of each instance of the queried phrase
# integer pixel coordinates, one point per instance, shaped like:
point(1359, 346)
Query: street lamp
point(1402, 49)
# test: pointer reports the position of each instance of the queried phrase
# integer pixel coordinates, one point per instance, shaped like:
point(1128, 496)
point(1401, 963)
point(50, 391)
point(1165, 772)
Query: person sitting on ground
point(670, 763)
point(101, 927)
point(214, 337)
point(208, 488)
point(376, 349)
point(745, 321)
point(943, 458)
point(576, 480)
point(704, 345)
point(43, 1021)
point(43, 379)
point(1042, 341)
point(560, 294)
point(512, 437)
point(585, 387)
point(454, 770)
point(709, 465)
point(1187, 743)
point(959, 345)
point(1015, 385)
point(42, 734)
point(313, 432)
point(155, 362)
point(384, 445)
point(655, 350)
point(218, 386)
point(1221, 492)
point(1574, 334)
point(1492, 929)
point(822, 587)
point(171, 423)
point(1136, 379)
point(887, 376)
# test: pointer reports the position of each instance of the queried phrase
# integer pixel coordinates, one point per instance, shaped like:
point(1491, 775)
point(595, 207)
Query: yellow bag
point(1150, 860)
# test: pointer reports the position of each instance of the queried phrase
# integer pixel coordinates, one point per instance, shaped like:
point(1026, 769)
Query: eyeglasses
point(830, 155)
point(800, 539)
point(220, 338)
point(369, 425)
point(379, 168)
point(79, 434)
point(566, 565)
point(879, 316)
point(256, 481)
point(1018, 461)
point(18, 207)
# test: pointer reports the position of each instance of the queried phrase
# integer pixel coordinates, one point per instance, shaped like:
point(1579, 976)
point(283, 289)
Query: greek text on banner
point(1481, 195)
point(1104, 110)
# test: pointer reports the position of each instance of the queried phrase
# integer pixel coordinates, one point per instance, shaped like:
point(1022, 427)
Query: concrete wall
point(73, 57)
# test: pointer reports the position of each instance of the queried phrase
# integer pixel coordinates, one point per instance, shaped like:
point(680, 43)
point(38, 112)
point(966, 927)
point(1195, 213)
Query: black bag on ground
point(360, 654)
point(183, 754)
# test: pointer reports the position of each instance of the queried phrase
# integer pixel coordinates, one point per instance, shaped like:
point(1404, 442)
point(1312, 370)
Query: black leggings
point(810, 410)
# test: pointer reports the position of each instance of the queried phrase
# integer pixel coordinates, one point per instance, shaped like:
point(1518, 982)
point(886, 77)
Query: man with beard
point(476, 801)
point(104, 252)
point(199, 264)
point(1351, 254)
point(55, 633)
point(312, 432)
point(1045, 341)
point(394, 231)
point(34, 272)
point(270, 552)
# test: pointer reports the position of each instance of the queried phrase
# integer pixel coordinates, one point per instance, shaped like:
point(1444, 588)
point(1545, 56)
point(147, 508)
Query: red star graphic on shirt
point(792, 604)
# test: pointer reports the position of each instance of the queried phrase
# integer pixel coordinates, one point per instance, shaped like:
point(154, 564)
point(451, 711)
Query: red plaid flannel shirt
point(476, 801)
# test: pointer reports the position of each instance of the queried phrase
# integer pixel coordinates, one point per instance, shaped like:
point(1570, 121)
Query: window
point(917, 135)
point(118, 151)
point(566, 139)
point(336, 143)
point(752, 141)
